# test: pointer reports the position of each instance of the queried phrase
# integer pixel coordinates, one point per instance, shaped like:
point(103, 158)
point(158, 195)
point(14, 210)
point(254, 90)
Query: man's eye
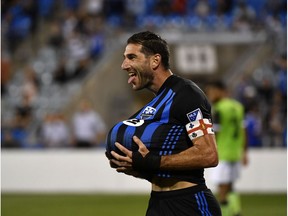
point(131, 57)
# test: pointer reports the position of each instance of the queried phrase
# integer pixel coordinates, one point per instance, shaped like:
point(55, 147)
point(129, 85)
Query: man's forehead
point(132, 48)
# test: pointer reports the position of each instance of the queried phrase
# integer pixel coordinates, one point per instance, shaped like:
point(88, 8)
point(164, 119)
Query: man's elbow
point(212, 160)
point(215, 161)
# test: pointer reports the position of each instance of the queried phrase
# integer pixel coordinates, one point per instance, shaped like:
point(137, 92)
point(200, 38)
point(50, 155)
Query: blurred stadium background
point(57, 54)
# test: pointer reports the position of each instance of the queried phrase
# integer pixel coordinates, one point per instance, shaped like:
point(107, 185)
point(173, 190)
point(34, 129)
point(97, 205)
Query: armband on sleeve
point(199, 128)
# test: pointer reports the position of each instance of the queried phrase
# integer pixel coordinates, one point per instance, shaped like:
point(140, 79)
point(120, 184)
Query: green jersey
point(228, 122)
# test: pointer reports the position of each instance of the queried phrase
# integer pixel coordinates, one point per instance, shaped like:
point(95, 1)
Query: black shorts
point(192, 201)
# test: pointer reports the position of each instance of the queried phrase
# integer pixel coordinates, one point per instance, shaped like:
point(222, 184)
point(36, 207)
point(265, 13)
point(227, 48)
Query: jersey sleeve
point(191, 104)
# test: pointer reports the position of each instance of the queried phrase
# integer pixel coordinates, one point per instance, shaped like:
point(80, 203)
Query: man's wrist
point(149, 163)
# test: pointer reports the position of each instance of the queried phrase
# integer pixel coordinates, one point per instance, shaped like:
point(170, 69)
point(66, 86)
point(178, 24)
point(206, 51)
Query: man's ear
point(155, 61)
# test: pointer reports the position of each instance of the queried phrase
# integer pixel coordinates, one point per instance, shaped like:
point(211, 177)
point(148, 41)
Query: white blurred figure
point(55, 132)
point(77, 52)
point(69, 24)
point(29, 87)
point(94, 7)
point(88, 127)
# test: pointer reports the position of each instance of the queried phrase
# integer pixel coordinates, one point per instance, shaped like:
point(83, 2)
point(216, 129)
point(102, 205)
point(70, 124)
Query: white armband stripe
point(199, 128)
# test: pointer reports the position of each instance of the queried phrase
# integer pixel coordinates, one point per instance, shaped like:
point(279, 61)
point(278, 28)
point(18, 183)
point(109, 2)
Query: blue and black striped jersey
point(161, 124)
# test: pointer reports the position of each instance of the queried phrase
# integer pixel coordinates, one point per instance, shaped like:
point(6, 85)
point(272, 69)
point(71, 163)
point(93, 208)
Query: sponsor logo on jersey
point(148, 112)
point(134, 122)
point(195, 115)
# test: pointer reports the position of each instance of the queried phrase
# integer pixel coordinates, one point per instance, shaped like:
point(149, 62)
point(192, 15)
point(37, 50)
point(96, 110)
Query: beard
point(142, 79)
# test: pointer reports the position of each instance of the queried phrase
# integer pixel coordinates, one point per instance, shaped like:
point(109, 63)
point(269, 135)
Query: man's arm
point(202, 154)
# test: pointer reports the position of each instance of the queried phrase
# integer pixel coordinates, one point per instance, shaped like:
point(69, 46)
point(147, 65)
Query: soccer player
point(170, 140)
point(228, 119)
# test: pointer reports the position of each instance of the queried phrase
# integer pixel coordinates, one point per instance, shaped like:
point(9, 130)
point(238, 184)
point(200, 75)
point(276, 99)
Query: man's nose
point(125, 65)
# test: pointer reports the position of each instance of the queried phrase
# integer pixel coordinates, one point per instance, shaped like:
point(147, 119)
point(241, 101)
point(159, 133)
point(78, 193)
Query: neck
point(159, 80)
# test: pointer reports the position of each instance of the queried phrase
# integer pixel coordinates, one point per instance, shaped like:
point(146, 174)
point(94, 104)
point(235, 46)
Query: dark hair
point(152, 44)
point(219, 84)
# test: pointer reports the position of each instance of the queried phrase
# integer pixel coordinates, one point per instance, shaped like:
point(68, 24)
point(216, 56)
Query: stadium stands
point(69, 44)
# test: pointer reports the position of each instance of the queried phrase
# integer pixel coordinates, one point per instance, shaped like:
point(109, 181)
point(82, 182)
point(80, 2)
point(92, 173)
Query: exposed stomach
point(164, 184)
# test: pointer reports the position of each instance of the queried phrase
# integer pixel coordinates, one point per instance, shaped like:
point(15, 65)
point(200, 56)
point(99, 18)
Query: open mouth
point(131, 77)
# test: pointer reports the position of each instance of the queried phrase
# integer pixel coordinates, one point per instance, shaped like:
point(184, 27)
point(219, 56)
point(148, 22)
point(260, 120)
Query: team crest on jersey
point(148, 112)
point(195, 115)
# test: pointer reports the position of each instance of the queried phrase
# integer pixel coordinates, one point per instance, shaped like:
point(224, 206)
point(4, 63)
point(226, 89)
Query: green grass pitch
point(112, 205)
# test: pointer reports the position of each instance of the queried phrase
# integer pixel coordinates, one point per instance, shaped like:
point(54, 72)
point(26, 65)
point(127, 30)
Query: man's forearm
point(202, 154)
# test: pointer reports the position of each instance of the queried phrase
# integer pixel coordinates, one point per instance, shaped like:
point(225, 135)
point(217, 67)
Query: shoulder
point(190, 91)
point(187, 87)
point(190, 100)
point(228, 104)
point(235, 103)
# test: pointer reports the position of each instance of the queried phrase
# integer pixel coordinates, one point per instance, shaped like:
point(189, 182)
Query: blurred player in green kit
point(228, 118)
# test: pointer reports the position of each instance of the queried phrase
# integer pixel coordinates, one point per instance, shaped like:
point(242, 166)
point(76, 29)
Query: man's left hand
point(124, 163)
